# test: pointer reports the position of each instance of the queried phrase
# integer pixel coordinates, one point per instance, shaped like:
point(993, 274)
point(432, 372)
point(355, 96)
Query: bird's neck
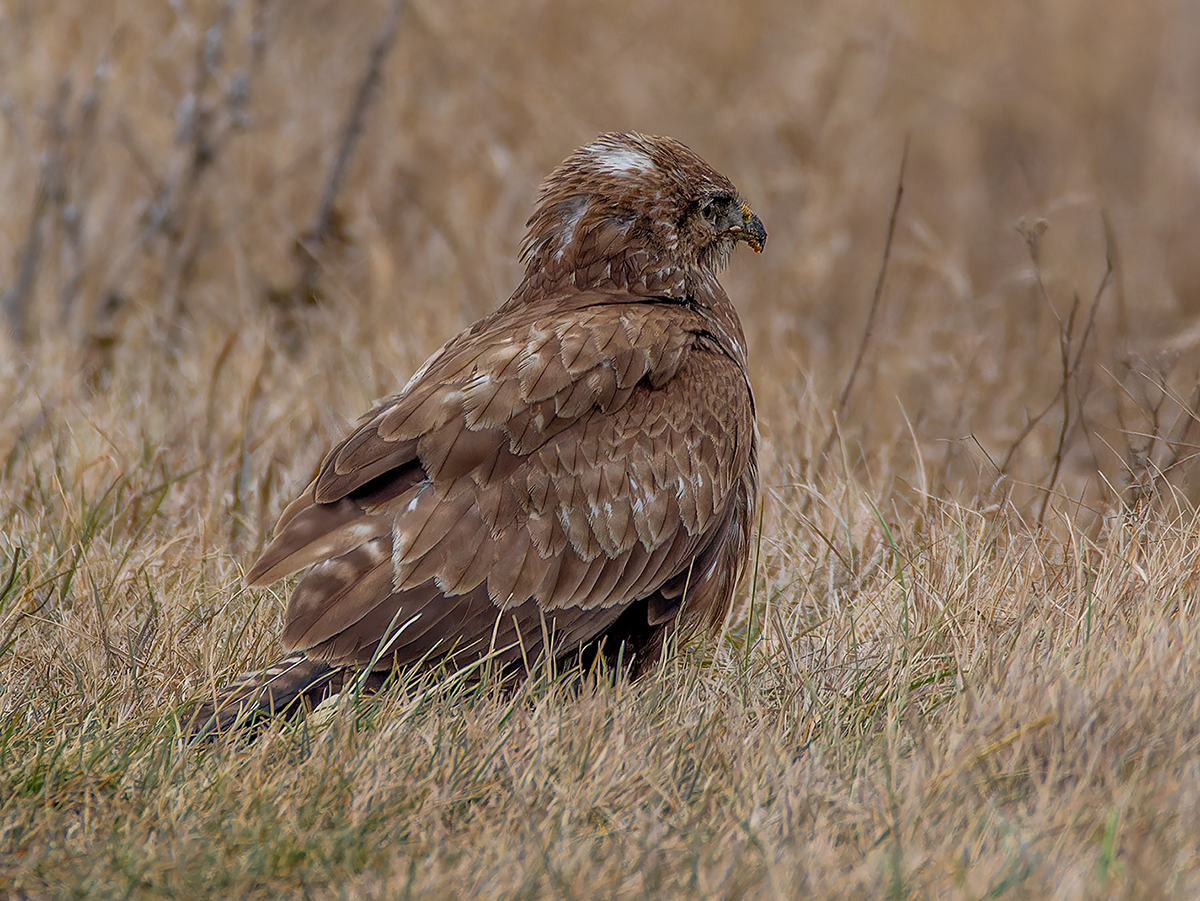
point(696, 285)
point(596, 265)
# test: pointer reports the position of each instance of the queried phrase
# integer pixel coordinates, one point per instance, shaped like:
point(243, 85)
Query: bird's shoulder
point(521, 376)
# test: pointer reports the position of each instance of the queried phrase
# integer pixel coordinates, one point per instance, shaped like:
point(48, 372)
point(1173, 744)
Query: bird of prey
point(574, 474)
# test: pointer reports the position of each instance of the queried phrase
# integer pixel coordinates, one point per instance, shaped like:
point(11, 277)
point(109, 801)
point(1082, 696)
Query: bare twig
point(1064, 347)
point(876, 298)
point(75, 208)
point(1148, 476)
point(325, 223)
point(1069, 367)
point(207, 117)
point(15, 300)
point(198, 130)
point(1181, 448)
point(1069, 372)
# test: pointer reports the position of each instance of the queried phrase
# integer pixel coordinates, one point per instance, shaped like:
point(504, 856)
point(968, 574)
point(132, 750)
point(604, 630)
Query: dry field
point(967, 661)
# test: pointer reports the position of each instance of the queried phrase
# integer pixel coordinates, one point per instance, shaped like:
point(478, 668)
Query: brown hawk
point(578, 467)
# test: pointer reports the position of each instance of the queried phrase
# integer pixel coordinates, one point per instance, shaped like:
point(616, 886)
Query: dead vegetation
point(965, 663)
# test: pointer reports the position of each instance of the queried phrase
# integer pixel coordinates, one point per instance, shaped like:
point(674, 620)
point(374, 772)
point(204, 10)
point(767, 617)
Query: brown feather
point(336, 594)
point(581, 460)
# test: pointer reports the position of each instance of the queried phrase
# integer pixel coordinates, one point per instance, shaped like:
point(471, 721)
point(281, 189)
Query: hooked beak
point(749, 230)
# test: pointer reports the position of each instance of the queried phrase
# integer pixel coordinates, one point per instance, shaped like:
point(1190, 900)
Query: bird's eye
point(714, 207)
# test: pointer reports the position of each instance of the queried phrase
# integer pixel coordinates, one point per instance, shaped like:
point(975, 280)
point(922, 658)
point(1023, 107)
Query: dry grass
point(966, 665)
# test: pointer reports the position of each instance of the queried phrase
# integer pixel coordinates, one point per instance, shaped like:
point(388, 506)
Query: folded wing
point(542, 475)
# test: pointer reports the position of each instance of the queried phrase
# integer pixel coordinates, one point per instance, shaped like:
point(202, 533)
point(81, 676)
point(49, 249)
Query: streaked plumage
point(580, 462)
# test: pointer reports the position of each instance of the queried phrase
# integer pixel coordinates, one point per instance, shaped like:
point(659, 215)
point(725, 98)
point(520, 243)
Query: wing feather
point(569, 464)
point(335, 594)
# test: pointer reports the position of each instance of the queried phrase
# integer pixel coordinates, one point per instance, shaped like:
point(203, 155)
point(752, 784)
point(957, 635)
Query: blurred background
point(228, 226)
point(182, 266)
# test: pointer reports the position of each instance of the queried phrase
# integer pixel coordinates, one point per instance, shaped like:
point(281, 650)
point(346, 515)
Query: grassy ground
point(966, 662)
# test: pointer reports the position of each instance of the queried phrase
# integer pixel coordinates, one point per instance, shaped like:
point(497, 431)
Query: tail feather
point(290, 685)
point(632, 640)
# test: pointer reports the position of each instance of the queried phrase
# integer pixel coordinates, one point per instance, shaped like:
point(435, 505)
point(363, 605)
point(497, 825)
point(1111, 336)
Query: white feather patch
point(619, 160)
point(567, 229)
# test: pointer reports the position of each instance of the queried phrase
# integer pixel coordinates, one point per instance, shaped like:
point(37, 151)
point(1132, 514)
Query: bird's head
point(638, 212)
